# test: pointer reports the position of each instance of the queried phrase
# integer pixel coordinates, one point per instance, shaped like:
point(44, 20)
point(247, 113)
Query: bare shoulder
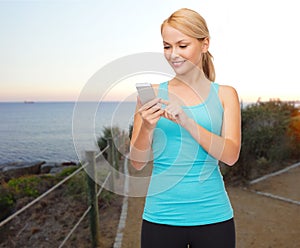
point(228, 95)
point(226, 90)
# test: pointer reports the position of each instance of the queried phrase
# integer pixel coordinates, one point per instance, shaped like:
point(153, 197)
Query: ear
point(205, 45)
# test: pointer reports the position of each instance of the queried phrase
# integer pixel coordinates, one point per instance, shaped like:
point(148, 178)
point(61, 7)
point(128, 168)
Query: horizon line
point(59, 101)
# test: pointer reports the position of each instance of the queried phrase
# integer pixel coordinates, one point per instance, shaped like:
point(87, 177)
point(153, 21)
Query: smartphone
point(146, 92)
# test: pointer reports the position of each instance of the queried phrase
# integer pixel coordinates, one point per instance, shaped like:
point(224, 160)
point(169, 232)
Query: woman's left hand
point(175, 113)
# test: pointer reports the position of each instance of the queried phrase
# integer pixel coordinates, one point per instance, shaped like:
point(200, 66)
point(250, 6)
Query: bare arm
point(145, 120)
point(225, 147)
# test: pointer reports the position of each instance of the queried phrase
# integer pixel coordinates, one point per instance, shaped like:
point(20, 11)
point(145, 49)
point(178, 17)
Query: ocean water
point(44, 131)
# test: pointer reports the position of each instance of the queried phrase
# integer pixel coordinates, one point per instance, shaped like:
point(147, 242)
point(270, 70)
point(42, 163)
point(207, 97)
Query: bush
point(269, 137)
point(15, 189)
point(108, 133)
point(294, 133)
point(7, 201)
point(25, 186)
point(67, 171)
point(76, 187)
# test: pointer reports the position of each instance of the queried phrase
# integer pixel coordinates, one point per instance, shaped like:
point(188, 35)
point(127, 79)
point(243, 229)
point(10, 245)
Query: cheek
point(188, 53)
point(194, 56)
point(167, 55)
point(192, 53)
point(198, 58)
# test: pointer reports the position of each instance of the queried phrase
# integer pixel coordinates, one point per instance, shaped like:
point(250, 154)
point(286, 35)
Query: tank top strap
point(216, 87)
point(215, 96)
point(163, 90)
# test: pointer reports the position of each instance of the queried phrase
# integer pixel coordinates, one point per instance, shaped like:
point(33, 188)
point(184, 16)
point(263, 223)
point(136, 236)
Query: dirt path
point(286, 185)
point(260, 221)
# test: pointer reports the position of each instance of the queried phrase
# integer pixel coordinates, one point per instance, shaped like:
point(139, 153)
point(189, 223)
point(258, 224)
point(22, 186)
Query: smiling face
point(181, 51)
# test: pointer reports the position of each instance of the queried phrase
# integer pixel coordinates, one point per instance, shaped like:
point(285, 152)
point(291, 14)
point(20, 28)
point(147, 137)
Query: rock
point(47, 167)
point(68, 163)
point(17, 169)
point(14, 170)
point(57, 170)
point(54, 168)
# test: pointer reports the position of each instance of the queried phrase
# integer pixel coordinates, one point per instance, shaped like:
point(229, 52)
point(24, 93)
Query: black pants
point(218, 235)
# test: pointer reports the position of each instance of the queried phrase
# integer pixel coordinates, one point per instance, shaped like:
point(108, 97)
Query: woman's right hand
point(150, 113)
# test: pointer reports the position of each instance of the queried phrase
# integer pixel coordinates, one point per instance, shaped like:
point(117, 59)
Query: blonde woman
point(192, 125)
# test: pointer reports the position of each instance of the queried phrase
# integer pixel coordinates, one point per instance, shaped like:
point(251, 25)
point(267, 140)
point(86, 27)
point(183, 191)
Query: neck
point(196, 77)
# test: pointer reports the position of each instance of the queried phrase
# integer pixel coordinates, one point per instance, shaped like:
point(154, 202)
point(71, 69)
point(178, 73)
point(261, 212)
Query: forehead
point(173, 35)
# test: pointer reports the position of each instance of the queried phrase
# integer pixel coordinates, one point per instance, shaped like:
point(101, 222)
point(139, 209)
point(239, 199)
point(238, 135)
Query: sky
point(49, 49)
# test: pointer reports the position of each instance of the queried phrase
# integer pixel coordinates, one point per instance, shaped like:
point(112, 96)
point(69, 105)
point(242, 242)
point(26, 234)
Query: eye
point(183, 46)
point(167, 47)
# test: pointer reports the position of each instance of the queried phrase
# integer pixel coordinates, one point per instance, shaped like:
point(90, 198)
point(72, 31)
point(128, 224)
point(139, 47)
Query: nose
point(174, 53)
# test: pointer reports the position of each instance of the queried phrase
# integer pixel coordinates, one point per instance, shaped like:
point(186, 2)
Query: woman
point(192, 125)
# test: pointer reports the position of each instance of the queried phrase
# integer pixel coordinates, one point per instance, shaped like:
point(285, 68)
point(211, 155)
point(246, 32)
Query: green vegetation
point(114, 137)
point(68, 171)
point(76, 187)
point(108, 134)
point(118, 142)
point(24, 186)
point(15, 189)
point(7, 201)
point(270, 136)
point(30, 186)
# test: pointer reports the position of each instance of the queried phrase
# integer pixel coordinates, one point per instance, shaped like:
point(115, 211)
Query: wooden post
point(112, 163)
point(116, 154)
point(93, 200)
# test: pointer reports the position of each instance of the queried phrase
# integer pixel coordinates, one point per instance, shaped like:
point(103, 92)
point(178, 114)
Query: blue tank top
point(186, 186)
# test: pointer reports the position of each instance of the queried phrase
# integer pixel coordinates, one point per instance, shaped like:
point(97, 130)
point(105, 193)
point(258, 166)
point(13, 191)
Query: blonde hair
point(192, 24)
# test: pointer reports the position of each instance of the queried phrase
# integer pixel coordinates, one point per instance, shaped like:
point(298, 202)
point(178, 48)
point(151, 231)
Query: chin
point(181, 71)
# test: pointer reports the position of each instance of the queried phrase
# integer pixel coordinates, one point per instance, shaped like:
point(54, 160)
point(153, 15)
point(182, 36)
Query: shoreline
point(15, 170)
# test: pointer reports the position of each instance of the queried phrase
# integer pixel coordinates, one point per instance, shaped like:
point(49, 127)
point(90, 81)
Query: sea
point(31, 131)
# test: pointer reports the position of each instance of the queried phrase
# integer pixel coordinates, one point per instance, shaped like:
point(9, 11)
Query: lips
point(177, 63)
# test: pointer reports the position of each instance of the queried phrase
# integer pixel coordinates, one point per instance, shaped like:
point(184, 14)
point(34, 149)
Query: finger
point(164, 102)
point(171, 110)
point(151, 113)
point(150, 104)
point(172, 115)
point(157, 114)
point(151, 110)
point(153, 119)
point(168, 115)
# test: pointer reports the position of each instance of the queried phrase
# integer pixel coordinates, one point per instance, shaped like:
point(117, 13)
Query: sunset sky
point(49, 49)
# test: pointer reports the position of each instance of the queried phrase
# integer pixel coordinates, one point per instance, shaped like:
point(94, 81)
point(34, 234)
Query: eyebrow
point(183, 40)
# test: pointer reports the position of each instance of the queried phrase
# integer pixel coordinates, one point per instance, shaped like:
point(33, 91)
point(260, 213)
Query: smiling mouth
point(177, 63)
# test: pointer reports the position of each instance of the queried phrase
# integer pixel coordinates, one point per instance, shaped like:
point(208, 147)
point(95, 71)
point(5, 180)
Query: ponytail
point(208, 66)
